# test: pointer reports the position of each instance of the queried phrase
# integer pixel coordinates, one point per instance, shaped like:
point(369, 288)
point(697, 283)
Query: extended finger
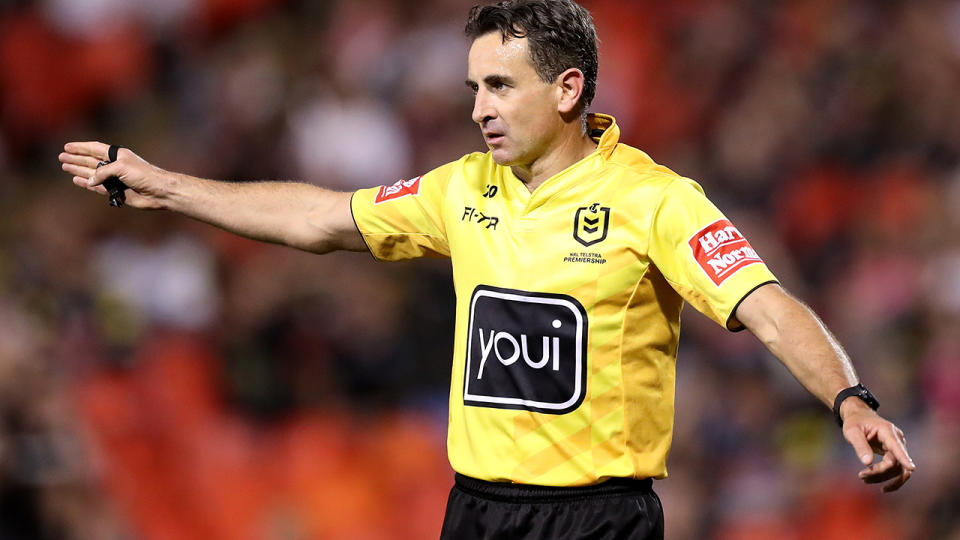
point(896, 484)
point(78, 170)
point(858, 440)
point(894, 441)
point(93, 149)
point(77, 159)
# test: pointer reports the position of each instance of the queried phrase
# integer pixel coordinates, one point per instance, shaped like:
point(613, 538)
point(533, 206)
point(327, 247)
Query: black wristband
point(859, 391)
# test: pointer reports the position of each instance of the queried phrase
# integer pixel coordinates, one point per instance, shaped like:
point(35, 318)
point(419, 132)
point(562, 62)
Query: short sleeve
point(404, 220)
point(703, 255)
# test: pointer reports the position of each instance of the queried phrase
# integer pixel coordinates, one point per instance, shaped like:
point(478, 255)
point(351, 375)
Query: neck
point(570, 148)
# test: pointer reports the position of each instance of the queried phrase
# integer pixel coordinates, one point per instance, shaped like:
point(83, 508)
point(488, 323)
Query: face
point(516, 111)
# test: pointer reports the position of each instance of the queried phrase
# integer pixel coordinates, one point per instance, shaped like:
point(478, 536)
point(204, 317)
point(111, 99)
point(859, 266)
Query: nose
point(483, 109)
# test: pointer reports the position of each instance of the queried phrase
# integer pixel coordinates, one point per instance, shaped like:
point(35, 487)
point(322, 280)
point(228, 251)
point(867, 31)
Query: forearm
point(298, 215)
point(289, 213)
point(796, 336)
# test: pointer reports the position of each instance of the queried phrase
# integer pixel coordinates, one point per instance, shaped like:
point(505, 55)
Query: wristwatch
point(859, 391)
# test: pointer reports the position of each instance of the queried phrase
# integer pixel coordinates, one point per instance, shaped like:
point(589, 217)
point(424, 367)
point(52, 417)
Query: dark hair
point(560, 35)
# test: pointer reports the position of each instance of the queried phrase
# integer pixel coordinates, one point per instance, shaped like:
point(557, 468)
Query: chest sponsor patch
point(401, 188)
point(721, 250)
point(525, 350)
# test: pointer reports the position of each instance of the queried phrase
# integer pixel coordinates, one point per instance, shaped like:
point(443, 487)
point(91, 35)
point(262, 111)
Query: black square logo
point(525, 350)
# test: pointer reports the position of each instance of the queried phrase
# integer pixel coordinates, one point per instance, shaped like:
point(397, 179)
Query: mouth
point(493, 138)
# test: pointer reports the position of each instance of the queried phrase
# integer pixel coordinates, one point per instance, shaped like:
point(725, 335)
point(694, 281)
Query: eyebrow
point(491, 80)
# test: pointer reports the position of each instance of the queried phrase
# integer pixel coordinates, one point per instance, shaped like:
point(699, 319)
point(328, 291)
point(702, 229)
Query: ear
point(570, 86)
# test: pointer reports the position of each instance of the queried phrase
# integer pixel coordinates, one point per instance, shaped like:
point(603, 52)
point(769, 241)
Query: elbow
point(313, 242)
point(314, 232)
point(782, 325)
point(768, 331)
point(326, 225)
point(767, 313)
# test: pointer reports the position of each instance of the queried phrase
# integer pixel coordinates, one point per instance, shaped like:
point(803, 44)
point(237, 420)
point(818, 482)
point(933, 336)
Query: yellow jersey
point(568, 304)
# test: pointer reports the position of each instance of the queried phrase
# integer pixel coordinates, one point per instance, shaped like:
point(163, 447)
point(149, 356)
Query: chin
point(502, 157)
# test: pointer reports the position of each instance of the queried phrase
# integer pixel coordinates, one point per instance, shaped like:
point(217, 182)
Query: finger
point(882, 466)
point(882, 476)
point(82, 181)
point(896, 484)
point(101, 174)
point(78, 170)
point(893, 441)
point(93, 149)
point(76, 159)
point(860, 445)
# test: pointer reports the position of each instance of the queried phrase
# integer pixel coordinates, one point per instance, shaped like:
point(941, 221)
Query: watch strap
point(859, 391)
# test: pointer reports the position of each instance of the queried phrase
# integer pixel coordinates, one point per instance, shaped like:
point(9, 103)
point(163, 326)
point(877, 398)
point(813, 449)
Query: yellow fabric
point(516, 257)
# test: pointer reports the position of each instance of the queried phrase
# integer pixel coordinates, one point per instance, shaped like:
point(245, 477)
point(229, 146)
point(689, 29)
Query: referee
point(572, 255)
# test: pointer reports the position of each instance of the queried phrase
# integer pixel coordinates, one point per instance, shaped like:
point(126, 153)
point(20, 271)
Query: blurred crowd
point(163, 379)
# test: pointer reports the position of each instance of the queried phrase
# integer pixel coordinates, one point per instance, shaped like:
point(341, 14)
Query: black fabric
point(859, 391)
point(618, 509)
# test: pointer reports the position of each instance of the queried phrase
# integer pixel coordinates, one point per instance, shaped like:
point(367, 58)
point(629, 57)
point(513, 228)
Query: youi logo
point(526, 350)
point(495, 340)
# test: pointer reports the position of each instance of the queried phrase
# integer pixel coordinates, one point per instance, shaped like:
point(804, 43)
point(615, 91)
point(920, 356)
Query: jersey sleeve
point(404, 220)
point(703, 255)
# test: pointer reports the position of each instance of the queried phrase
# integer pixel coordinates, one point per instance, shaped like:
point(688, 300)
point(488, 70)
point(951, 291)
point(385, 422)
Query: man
point(572, 255)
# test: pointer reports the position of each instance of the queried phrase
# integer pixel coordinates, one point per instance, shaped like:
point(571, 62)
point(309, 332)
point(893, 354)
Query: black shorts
point(618, 509)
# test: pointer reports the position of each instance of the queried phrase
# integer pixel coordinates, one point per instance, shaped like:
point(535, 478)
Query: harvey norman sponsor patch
point(401, 188)
point(721, 250)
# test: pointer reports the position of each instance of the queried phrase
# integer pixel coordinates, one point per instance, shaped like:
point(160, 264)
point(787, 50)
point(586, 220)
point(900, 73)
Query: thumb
point(101, 173)
point(858, 440)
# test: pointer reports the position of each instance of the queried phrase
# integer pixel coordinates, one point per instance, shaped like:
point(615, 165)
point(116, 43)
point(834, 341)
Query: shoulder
point(468, 166)
point(475, 169)
point(638, 172)
point(637, 163)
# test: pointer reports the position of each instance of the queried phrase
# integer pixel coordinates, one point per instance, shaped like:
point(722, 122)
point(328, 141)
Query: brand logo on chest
point(525, 350)
point(475, 215)
point(590, 224)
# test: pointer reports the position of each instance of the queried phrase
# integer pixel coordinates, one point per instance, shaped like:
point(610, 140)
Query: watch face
point(868, 397)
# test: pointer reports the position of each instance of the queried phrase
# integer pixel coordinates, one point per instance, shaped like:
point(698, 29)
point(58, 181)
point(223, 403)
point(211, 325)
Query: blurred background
point(161, 379)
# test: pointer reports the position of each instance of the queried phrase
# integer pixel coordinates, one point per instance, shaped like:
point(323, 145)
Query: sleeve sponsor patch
point(721, 250)
point(401, 188)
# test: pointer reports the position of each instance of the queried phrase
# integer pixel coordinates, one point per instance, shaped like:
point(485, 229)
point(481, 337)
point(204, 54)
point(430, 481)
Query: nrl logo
point(590, 224)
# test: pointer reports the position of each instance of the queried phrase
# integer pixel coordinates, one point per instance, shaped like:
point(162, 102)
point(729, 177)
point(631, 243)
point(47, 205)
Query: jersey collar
point(604, 130)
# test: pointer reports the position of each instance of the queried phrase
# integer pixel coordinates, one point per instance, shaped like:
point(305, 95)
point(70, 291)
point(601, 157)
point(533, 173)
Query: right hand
point(146, 182)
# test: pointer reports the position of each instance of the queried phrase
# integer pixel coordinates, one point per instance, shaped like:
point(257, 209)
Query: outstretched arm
point(795, 335)
point(299, 215)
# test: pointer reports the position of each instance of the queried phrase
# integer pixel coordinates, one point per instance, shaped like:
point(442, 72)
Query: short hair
point(560, 33)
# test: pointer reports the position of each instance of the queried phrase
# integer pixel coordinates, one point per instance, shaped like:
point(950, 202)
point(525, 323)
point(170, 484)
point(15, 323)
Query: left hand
point(870, 434)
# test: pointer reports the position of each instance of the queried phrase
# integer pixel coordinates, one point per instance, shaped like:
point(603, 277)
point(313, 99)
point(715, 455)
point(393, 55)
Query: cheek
point(538, 122)
point(531, 118)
